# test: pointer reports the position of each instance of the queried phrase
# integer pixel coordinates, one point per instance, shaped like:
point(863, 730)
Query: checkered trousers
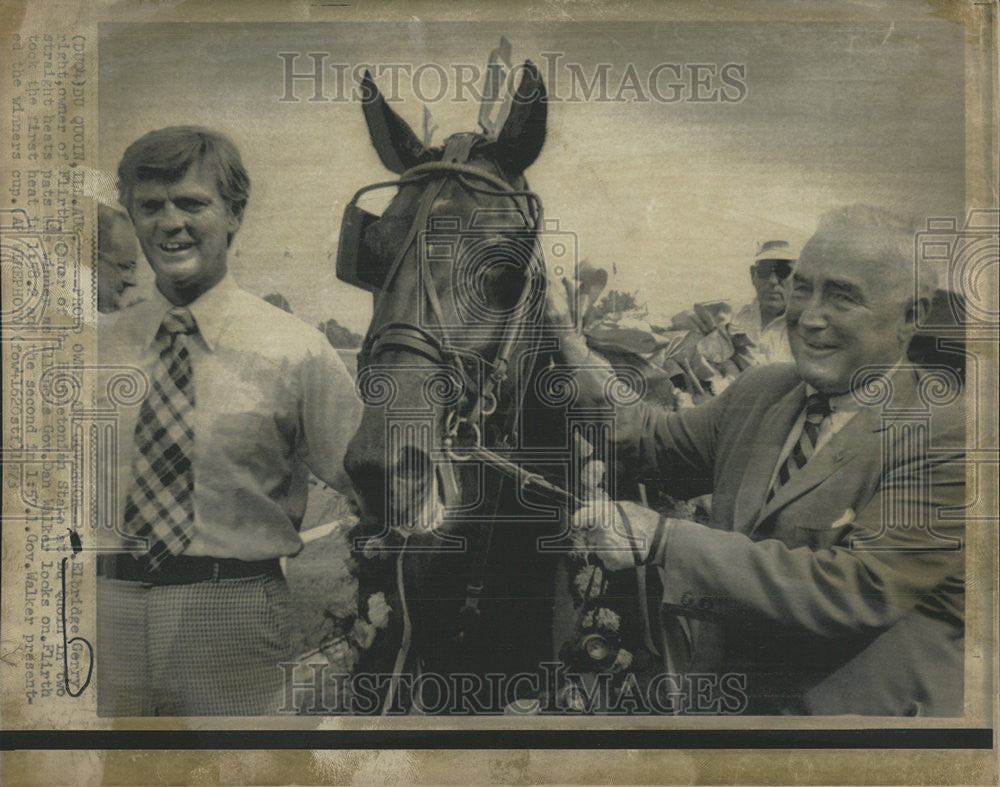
point(201, 649)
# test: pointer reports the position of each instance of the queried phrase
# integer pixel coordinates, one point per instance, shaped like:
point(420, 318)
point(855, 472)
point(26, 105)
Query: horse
point(452, 372)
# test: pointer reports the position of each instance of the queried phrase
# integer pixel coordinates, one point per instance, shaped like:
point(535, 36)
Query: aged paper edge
point(774, 766)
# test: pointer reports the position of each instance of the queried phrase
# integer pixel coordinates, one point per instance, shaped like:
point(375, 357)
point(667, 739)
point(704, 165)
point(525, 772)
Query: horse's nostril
point(412, 464)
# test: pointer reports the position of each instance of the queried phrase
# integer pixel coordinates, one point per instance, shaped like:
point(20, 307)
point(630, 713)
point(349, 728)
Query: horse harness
point(439, 349)
point(460, 427)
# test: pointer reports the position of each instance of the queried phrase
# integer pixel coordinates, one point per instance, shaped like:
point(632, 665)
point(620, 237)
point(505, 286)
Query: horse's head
point(458, 284)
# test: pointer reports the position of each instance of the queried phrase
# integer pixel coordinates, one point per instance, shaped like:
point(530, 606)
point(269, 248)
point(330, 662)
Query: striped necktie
point(817, 409)
point(160, 504)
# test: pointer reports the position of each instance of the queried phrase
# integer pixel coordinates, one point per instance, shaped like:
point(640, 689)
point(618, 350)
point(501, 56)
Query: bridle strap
point(417, 340)
point(408, 337)
point(440, 351)
point(414, 338)
point(416, 226)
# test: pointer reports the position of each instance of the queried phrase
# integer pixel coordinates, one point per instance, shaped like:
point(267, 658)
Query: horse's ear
point(523, 134)
point(394, 141)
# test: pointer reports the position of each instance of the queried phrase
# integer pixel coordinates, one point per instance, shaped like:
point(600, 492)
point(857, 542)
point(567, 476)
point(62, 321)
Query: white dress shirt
point(272, 401)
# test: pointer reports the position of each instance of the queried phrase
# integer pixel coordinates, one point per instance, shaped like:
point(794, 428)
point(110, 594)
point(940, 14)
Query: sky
point(675, 195)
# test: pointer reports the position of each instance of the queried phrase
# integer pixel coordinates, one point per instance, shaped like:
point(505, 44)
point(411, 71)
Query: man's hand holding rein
point(621, 533)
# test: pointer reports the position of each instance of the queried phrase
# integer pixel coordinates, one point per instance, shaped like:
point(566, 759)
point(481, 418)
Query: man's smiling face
point(850, 306)
point(184, 228)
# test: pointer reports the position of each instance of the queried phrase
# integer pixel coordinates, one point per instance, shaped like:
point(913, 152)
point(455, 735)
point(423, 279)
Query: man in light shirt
point(828, 581)
point(235, 402)
point(763, 318)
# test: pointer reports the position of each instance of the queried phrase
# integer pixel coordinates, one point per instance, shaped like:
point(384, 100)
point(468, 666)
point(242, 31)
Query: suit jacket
point(845, 592)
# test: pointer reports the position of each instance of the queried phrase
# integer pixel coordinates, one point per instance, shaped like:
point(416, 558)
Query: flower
point(341, 599)
point(341, 655)
point(378, 610)
point(684, 400)
point(570, 698)
point(363, 634)
point(622, 661)
point(375, 547)
point(589, 578)
point(699, 345)
point(602, 619)
point(579, 550)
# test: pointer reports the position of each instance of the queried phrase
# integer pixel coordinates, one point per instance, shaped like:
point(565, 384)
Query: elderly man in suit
point(827, 581)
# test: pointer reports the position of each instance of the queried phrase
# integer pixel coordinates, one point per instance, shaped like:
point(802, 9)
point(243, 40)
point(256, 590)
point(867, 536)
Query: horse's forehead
point(486, 209)
point(478, 209)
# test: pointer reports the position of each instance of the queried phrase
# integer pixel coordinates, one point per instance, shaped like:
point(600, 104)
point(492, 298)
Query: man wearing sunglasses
point(763, 319)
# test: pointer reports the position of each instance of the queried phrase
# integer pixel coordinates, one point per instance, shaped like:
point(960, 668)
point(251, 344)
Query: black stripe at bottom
point(963, 738)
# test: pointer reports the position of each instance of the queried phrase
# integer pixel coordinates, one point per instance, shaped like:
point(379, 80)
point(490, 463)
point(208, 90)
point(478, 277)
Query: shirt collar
point(754, 307)
point(839, 403)
point(848, 402)
point(780, 319)
point(209, 311)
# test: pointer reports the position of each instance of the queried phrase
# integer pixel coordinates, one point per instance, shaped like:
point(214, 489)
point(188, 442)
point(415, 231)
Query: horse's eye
point(508, 252)
point(490, 275)
point(504, 284)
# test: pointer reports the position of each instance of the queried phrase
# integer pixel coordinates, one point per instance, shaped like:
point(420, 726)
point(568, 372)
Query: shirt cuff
point(657, 555)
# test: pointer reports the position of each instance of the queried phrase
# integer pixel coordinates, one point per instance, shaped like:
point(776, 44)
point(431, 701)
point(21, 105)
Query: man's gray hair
point(893, 233)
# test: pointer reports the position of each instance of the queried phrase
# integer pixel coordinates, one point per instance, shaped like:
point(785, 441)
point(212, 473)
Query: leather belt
point(184, 569)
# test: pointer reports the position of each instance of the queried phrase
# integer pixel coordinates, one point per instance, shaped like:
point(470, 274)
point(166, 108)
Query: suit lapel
point(763, 456)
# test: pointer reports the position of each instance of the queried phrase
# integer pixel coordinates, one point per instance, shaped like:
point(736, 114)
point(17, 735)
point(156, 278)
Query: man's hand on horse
point(621, 533)
point(591, 369)
point(560, 294)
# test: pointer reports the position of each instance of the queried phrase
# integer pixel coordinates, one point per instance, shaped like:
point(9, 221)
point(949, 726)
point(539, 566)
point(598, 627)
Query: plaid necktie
point(817, 409)
point(160, 504)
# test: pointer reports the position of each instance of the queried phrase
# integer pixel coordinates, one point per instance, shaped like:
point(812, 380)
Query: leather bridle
point(462, 437)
